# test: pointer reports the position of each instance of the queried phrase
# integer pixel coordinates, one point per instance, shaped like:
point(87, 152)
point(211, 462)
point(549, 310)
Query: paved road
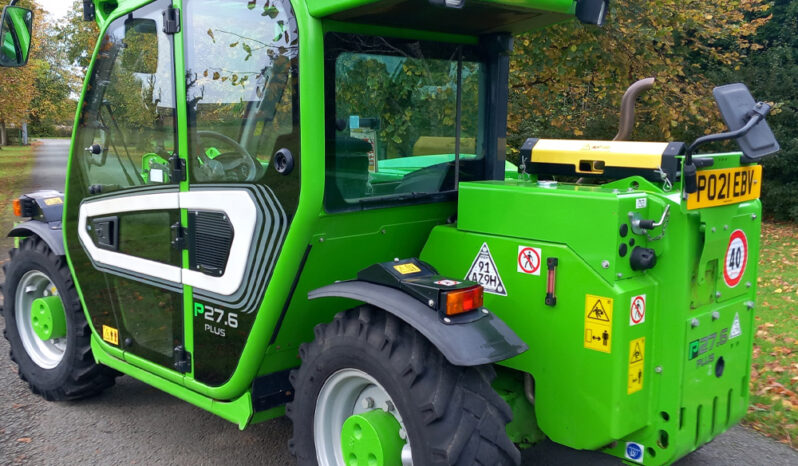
point(49, 171)
point(133, 423)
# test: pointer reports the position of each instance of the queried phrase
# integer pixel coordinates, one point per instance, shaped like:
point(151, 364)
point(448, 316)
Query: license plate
point(726, 186)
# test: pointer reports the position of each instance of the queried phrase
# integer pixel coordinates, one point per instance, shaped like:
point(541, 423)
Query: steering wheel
point(243, 157)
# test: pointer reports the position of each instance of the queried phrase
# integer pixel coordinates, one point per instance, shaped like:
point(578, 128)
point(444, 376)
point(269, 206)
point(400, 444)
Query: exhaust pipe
point(627, 123)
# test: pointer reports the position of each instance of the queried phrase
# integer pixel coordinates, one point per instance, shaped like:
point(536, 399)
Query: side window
point(391, 119)
point(128, 120)
point(241, 65)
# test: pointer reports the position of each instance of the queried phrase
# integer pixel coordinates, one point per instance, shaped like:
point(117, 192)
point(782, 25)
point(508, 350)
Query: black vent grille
point(210, 236)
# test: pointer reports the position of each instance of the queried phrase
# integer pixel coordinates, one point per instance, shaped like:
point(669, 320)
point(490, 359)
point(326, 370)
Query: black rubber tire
point(77, 375)
point(452, 414)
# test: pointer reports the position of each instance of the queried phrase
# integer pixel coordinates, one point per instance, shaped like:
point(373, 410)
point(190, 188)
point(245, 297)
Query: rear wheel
point(46, 327)
point(372, 390)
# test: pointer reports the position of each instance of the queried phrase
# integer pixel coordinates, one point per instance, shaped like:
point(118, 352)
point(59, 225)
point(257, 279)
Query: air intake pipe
point(627, 124)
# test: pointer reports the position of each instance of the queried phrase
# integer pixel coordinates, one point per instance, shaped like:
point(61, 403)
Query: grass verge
point(15, 168)
point(774, 376)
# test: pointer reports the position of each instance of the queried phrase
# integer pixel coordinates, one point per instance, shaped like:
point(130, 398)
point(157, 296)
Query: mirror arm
point(758, 113)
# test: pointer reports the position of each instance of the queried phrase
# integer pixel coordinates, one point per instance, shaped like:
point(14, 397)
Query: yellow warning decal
point(637, 357)
point(111, 335)
point(406, 269)
point(598, 323)
point(53, 201)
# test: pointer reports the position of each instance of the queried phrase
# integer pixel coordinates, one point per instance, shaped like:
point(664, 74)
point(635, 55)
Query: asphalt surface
point(133, 423)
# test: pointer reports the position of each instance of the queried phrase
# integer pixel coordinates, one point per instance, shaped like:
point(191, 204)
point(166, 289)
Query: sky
point(56, 8)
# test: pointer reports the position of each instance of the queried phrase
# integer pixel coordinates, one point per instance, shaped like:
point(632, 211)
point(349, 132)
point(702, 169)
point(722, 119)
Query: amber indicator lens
point(17, 207)
point(460, 301)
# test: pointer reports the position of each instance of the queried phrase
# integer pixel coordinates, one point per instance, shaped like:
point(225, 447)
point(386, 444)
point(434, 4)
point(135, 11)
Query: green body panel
point(582, 395)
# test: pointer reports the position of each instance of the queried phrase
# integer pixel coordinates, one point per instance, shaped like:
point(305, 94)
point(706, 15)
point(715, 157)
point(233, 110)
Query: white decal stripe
point(242, 213)
point(161, 201)
point(238, 205)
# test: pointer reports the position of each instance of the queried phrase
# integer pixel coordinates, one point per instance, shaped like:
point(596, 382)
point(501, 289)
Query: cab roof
point(474, 18)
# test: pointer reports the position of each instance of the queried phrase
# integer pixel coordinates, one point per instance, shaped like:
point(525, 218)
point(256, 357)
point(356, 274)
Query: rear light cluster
point(464, 300)
point(24, 207)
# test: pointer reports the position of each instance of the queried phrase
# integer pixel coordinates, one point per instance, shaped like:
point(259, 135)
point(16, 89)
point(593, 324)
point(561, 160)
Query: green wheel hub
point(48, 318)
point(371, 439)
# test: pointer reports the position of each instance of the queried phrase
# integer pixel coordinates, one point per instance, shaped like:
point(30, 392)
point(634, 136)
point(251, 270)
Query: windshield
point(394, 133)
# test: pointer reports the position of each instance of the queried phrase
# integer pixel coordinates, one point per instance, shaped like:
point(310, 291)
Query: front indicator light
point(17, 207)
point(465, 300)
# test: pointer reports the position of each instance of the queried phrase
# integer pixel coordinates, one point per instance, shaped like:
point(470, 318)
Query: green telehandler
point(304, 208)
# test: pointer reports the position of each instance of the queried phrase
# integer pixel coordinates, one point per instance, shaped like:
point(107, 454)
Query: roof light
point(464, 300)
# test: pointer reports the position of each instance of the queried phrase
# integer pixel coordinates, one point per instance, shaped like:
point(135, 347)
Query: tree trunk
point(3, 139)
point(24, 133)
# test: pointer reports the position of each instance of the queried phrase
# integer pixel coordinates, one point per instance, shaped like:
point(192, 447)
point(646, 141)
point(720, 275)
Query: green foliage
point(568, 80)
point(772, 74)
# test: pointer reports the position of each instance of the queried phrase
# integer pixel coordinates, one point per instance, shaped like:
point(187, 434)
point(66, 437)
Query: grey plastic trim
point(51, 235)
point(483, 341)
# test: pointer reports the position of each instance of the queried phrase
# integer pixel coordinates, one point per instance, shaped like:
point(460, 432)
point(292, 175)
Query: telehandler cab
point(303, 207)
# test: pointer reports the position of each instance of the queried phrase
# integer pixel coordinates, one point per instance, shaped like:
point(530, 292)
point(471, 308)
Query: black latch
point(178, 236)
point(178, 168)
point(171, 20)
point(182, 360)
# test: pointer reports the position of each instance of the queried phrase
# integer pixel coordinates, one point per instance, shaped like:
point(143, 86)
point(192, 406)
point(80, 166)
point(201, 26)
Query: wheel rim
point(34, 289)
point(351, 393)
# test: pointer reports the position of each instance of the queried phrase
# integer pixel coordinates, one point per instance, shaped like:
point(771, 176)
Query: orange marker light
point(17, 207)
point(460, 301)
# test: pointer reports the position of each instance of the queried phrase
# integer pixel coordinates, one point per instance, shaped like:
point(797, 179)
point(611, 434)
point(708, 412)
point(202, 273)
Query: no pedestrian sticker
point(483, 271)
point(598, 323)
point(529, 260)
point(637, 310)
point(634, 451)
point(736, 258)
point(637, 356)
point(447, 282)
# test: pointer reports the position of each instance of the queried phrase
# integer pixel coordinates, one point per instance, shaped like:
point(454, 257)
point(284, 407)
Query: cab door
point(123, 219)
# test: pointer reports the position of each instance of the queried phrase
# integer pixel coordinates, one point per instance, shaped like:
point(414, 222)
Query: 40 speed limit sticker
point(736, 258)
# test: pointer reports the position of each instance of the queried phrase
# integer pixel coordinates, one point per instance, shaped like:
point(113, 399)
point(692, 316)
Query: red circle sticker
point(637, 313)
point(736, 258)
point(528, 260)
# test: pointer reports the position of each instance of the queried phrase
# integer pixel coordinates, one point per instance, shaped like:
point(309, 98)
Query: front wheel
point(46, 328)
point(372, 390)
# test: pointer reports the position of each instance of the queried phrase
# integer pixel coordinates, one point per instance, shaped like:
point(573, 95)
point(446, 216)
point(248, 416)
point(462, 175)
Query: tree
point(772, 74)
point(567, 80)
point(17, 84)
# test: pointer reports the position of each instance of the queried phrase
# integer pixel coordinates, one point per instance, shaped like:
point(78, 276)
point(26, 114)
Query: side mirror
point(16, 28)
point(592, 11)
point(140, 53)
point(737, 106)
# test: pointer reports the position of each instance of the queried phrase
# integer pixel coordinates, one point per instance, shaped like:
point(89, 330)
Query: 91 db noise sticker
point(529, 260)
point(736, 258)
point(483, 271)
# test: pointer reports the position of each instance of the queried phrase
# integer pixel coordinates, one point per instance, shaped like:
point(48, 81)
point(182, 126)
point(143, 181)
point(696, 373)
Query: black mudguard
point(482, 341)
point(50, 232)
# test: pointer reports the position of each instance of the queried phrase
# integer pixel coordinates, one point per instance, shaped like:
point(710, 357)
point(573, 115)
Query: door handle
point(106, 232)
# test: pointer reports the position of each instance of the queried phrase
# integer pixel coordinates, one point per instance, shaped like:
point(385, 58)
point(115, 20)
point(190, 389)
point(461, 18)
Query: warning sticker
point(637, 311)
point(483, 271)
point(598, 323)
point(735, 331)
point(53, 201)
point(111, 335)
point(447, 282)
point(529, 260)
point(637, 356)
point(736, 258)
point(406, 269)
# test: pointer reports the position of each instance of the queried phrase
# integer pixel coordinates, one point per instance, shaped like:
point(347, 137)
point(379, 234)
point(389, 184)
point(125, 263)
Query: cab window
point(241, 74)
point(392, 135)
